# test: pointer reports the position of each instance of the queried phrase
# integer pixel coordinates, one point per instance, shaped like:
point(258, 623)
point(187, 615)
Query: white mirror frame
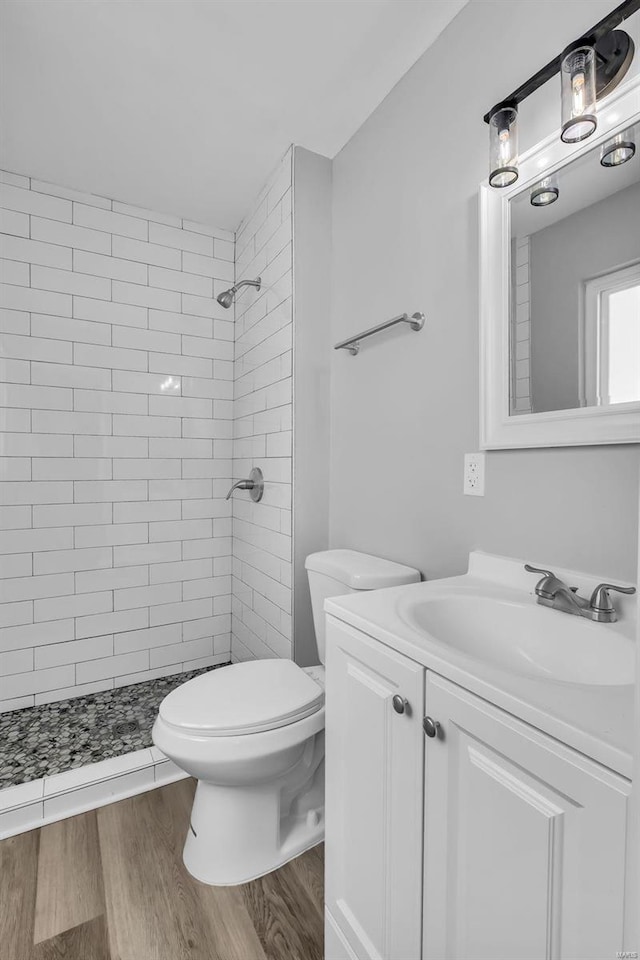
point(558, 428)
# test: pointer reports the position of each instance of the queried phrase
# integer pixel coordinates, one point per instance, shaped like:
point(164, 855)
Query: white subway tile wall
point(262, 535)
point(116, 389)
point(521, 401)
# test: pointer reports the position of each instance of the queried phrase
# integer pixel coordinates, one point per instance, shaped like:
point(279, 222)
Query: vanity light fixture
point(578, 80)
point(544, 193)
point(617, 151)
point(503, 145)
point(590, 68)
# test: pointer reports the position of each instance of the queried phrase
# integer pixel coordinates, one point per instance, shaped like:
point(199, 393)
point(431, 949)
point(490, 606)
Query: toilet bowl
point(252, 734)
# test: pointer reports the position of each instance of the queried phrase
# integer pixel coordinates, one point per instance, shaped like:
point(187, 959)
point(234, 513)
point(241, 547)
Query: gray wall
point(587, 244)
point(405, 228)
point(311, 307)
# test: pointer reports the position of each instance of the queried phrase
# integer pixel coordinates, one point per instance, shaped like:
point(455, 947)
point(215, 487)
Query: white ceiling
point(184, 106)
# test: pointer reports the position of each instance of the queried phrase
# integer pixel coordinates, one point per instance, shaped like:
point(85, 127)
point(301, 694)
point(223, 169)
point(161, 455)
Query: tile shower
point(263, 421)
point(117, 372)
point(117, 443)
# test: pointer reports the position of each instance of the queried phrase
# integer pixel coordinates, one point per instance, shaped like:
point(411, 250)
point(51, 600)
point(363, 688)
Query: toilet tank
point(334, 573)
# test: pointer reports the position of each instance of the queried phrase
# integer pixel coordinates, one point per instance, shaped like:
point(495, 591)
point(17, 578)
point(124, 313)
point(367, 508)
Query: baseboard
point(39, 802)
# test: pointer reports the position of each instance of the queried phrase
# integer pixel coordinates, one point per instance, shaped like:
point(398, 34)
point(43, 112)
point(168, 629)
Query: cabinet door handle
point(431, 727)
point(400, 704)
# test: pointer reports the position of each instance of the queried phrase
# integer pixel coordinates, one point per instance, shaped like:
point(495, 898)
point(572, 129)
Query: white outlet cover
point(474, 474)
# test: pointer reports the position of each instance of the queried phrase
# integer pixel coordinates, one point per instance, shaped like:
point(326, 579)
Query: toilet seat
point(244, 698)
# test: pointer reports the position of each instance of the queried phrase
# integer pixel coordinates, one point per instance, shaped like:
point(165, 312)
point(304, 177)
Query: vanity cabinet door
point(374, 797)
point(524, 840)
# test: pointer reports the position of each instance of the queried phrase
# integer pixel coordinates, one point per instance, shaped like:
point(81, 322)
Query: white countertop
point(596, 719)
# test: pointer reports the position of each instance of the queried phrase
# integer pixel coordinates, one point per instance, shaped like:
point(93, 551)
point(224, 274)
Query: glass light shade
point(617, 151)
point(503, 146)
point(578, 79)
point(544, 193)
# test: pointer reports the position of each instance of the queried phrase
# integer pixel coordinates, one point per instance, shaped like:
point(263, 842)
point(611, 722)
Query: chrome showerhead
point(225, 299)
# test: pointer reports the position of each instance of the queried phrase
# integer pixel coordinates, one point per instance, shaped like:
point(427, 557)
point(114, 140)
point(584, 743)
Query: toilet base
point(238, 834)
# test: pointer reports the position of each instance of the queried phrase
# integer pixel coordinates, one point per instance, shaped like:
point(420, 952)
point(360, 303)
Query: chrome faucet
point(553, 592)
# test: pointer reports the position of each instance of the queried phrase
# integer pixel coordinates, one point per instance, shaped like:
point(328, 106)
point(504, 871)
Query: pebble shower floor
point(55, 737)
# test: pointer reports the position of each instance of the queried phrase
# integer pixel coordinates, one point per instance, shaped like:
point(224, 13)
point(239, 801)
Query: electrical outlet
point(474, 474)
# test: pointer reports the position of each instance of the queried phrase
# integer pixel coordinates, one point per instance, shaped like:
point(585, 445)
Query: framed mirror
point(560, 290)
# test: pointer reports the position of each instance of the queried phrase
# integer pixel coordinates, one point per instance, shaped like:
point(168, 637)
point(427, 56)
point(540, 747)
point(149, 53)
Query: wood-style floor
point(111, 885)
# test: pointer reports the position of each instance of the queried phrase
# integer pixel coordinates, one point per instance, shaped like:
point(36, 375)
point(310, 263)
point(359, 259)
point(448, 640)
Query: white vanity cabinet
point(524, 839)
point(374, 769)
point(490, 840)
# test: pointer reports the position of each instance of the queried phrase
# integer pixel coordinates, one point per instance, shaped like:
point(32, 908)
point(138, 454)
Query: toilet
point(252, 734)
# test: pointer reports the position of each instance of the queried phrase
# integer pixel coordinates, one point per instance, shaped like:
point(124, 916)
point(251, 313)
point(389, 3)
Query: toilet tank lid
point(361, 571)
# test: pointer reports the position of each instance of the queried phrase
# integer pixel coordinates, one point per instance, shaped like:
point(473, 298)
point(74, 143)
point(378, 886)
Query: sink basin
point(524, 638)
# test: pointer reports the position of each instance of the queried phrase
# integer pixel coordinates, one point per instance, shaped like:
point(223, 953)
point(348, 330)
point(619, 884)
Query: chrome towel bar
point(415, 321)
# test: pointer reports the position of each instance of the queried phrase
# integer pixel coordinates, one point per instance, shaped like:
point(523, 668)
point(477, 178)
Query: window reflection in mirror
point(575, 287)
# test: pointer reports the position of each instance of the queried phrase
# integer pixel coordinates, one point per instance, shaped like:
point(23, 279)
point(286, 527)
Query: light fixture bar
point(617, 16)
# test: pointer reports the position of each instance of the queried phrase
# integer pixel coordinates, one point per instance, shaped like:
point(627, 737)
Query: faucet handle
point(545, 573)
point(600, 599)
point(544, 586)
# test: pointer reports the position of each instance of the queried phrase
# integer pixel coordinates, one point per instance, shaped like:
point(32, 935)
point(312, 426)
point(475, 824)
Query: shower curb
point(28, 806)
